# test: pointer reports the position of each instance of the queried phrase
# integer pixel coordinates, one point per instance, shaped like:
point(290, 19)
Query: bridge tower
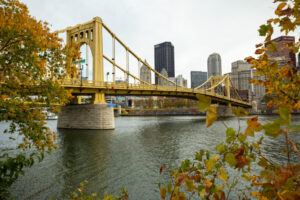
point(90, 33)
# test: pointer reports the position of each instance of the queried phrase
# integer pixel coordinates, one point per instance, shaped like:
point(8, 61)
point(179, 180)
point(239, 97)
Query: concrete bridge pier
point(87, 116)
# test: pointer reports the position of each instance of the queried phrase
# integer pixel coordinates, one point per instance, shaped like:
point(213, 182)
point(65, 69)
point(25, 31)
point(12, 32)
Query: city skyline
point(194, 34)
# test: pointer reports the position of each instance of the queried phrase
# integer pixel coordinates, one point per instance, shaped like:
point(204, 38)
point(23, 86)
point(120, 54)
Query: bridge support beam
point(98, 98)
point(86, 116)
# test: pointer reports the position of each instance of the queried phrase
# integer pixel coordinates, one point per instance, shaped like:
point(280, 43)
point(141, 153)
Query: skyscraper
point(145, 73)
point(164, 58)
point(197, 78)
point(214, 65)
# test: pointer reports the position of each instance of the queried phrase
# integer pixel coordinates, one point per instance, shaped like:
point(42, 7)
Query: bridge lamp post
point(81, 68)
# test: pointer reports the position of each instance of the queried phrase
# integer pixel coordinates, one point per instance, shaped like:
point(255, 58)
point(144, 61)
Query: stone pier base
point(87, 116)
point(224, 111)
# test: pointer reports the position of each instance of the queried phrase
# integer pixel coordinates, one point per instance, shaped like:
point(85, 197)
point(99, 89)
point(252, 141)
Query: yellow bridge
point(219, 88)
point(97, 115)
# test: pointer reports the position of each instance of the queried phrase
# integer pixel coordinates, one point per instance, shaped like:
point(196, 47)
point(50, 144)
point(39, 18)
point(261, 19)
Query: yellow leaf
point(223, 175)
point(211, 116)
point(210, 164)
point(281, 6)
point(202, 192)
point(204, 102)
point(163, 192)
point(207, 183)
point(255, 194)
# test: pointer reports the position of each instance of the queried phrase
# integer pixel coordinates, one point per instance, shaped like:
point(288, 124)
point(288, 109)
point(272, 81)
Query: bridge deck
point(109, 88)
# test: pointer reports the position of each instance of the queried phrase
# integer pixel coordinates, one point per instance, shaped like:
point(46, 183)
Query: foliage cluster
point(32, 68)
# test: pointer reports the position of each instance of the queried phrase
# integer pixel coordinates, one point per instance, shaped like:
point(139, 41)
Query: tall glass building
point(164, 58)
point(197, 78)
point(214, 65)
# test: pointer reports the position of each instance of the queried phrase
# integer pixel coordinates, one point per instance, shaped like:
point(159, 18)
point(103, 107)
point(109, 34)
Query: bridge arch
point(89, 33)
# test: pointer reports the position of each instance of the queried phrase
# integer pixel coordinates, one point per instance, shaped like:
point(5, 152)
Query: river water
point(129, 156)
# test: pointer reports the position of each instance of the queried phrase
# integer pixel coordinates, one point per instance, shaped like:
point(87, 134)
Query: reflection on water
point(129, 156)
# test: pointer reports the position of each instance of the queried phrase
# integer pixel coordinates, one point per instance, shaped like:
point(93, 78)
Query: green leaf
point(199, 155)
point(263, 29)
point(272, 47)
point(262, 162)
point(272, 129)
point(230, 159)
point(230, 132)
point(204, 102)
point(169, 188)
point(221, 148)
point(285, 116)
point(242, 137)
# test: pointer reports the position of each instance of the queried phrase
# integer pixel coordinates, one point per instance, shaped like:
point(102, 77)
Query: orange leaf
point(258, 45)
point(253, 126)
point(163, 192)
point(259, 51)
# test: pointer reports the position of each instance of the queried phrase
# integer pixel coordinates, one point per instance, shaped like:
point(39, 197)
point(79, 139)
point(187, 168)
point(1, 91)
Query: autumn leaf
point(211, 116)
point(263, 29)
point(253, 126)
point(220, 148)
point(163, 192)
point(230, 132)
point(223, 175)
point(259, 51)
point(207, 183)
point(230, 159)
point(210, 164)
point(259, 45)
point(281, 6)
point(285, 115)
point(272, 129)
point(203, 103)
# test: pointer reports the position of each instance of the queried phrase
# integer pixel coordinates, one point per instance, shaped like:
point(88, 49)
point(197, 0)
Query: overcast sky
point(196, 28)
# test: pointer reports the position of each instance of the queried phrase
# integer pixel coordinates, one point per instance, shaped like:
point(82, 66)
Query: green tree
point(32, 68)
point(212, 176)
